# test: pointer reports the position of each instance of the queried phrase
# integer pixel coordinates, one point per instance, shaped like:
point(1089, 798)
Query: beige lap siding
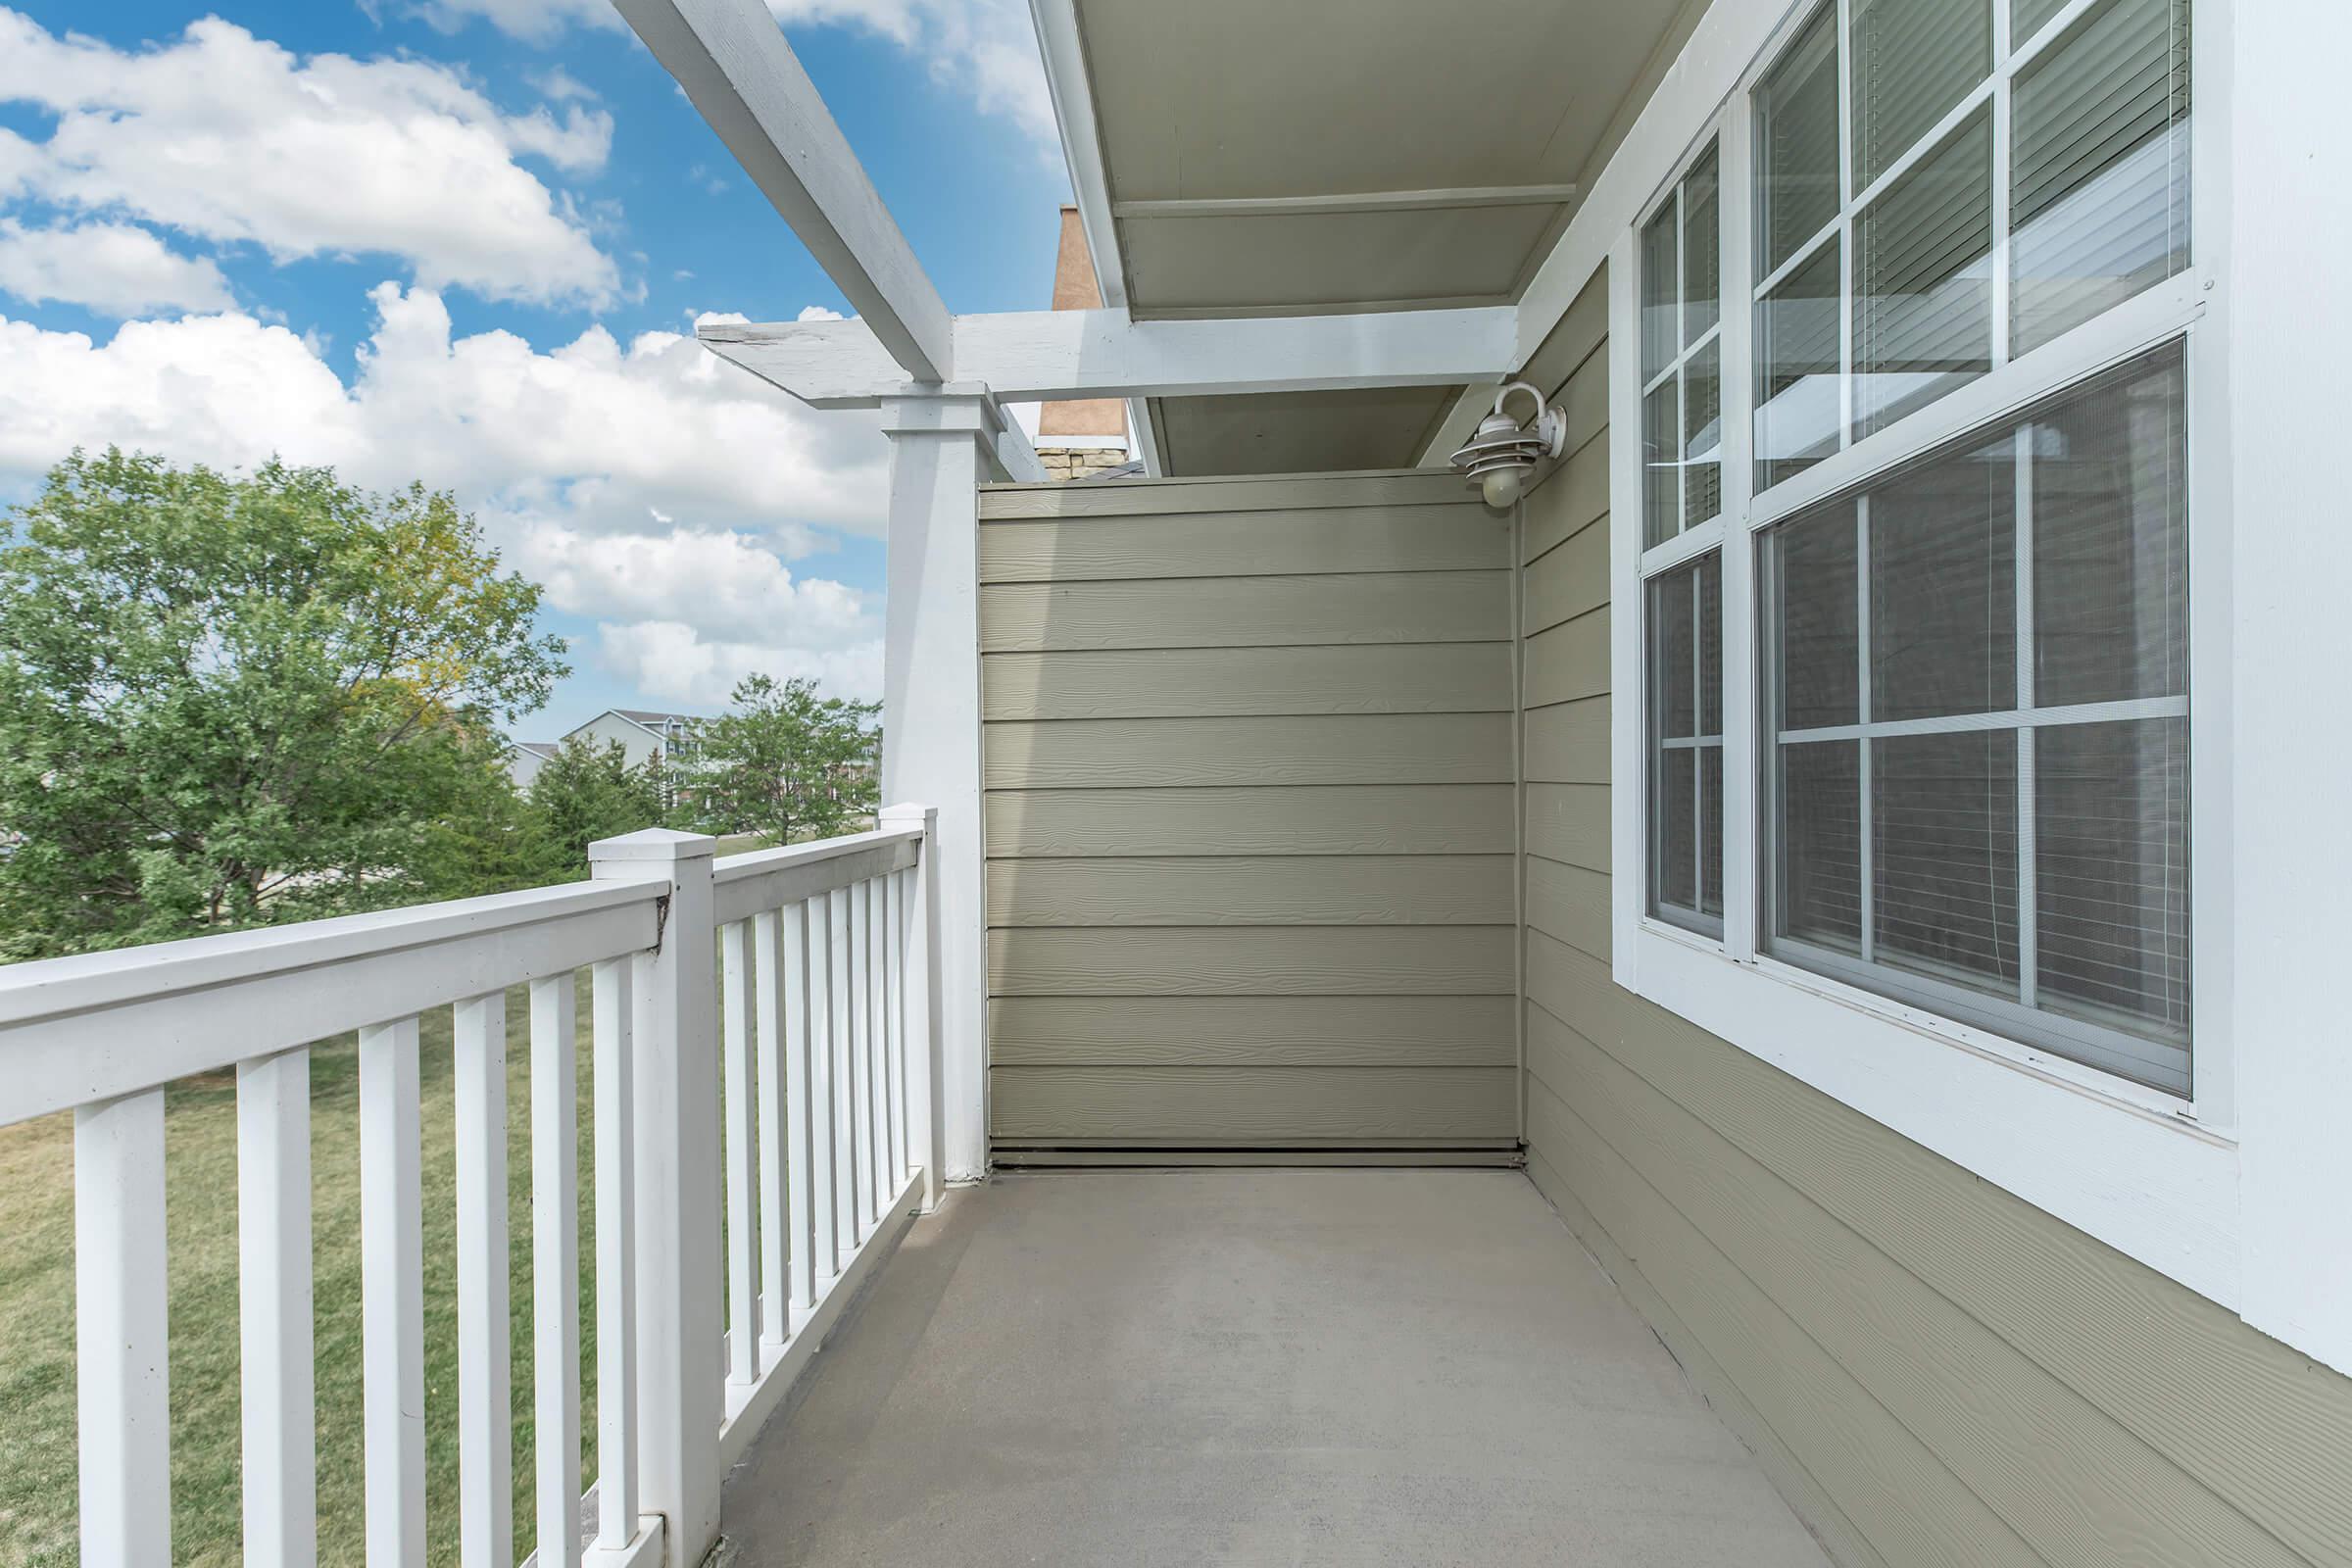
point(1248, 761)
point(1935, 1372)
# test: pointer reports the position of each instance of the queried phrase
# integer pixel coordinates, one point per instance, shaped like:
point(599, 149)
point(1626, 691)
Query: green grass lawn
point(37, 1483)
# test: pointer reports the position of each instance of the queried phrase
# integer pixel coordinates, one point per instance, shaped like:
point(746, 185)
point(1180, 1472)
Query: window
point(1976, 745)
point(1685, 617)
point(1682, 358)
point(2008, 169)
point(1941, 545)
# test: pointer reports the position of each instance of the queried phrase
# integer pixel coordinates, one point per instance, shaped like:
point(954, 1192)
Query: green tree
point(587, 792)
point(232, 699)
point(787, 763)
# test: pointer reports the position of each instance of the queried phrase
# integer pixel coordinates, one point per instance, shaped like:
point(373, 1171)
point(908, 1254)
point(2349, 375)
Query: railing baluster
point(612, 1022)
point(392, 1292)
point(556, 1267)
point(877, 1036)
point(768, 992)
point(273, 1310)
point(927, 1129)
point(122, 1340)
point(861, 1060)
point(743, 1235)
point(849, 1231)
point(825, 1143)
point(792, 978)
point(485, 1377)
point(895, 999)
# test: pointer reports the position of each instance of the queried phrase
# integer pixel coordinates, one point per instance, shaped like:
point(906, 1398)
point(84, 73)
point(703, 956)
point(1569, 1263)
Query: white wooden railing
point(812, 1023)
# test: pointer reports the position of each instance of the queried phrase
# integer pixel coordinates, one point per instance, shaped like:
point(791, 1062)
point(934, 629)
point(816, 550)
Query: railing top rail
point(756, 862)
point(98, 1025)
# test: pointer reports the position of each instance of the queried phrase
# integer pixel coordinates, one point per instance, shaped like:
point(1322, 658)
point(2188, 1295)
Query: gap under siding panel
point(1253, 1031)
point(1309, 749)
point(1568, 743)
point(1564, 583)
point(1194, 683)
point(1226, 611)
point(1912, 1509)
point(1251, 1104)
point(1254, 961)
point(1569, 823)
point(1191, 497)
point(1846, 1545)
point(1253, 890)
point(1308, 819)
point(2074, 1486)
point(1569, 662)
point(1461, 537)
point(1384, 1156)
point(2264, 1427)
point(1570, 903)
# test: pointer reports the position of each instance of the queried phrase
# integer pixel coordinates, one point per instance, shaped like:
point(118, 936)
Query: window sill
point(2117, 1161)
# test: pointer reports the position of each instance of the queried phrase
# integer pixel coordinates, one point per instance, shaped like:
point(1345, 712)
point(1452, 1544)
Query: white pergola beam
point(737, 69)
point(1051, 356)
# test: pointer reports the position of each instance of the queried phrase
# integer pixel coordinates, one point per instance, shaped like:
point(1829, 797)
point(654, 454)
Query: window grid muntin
point(1687, 350)
point(2012, 58)
point(2162, 1065)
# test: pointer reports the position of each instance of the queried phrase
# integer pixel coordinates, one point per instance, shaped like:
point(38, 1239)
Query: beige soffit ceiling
point(1311, 156)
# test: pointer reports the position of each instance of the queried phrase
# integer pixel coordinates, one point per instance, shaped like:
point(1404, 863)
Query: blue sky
point(465, 241)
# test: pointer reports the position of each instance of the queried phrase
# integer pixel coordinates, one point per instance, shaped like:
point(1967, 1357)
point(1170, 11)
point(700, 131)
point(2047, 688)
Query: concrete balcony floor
point(1252, 1366)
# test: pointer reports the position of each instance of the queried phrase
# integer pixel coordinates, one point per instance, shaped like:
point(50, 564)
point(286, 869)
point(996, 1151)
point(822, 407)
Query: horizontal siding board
point(1251, 1104)
point(1192, 497)
point(1450, 538)
point(1912, 1509)
point(1569, 823)
point(1253, 1031)
point(2236, 1410)
point(1265, 890)
point(1568, 743)
point(2073, 1485)
point(1265, 961)
point(1565, 582)
point(1572, 497)
point(1569, 662)
point(1846, 1545)
point(1190, 683)
point(1346, 819)
point(1296, 749)
point(1569, 903)
point(1580, 334)
point(1394, 607)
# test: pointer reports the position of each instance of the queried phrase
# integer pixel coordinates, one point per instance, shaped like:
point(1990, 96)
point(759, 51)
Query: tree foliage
point(228, 701)
point(787, 763)
point(587, 792)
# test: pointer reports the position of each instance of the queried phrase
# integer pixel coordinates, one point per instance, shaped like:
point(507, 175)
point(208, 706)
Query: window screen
point(1976, 758)
point(1682, 356)
point(1685, 624)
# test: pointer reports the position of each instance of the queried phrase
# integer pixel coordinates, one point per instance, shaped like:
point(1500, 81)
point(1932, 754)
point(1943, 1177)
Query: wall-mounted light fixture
point(1501, 454)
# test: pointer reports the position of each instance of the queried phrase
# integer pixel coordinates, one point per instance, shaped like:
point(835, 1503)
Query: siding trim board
point(1931, 1368)
point(1251, 795)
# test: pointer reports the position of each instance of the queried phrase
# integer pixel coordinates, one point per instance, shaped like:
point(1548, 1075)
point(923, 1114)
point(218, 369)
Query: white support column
point(940, 450)
point(676, 1086)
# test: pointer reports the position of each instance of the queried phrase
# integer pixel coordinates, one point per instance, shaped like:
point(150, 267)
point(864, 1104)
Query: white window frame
point(2151, 1173)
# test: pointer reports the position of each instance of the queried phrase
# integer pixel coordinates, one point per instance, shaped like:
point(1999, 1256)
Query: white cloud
point(566, 453)
point(671, 661)
point(817, 312)
point(234, 139)
point(730, 586)
point(986, 49)
point(116, 269)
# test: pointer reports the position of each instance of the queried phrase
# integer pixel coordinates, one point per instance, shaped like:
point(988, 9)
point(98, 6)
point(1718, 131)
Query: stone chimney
point(1077, 439)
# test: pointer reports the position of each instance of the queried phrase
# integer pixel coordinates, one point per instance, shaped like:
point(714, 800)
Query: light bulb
point(1502, 486)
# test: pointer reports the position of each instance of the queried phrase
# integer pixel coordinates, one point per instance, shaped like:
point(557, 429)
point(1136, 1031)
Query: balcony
point(797, 1339)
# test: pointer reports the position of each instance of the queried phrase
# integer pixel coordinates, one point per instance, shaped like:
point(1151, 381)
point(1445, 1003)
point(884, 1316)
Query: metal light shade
point(1502, 453)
